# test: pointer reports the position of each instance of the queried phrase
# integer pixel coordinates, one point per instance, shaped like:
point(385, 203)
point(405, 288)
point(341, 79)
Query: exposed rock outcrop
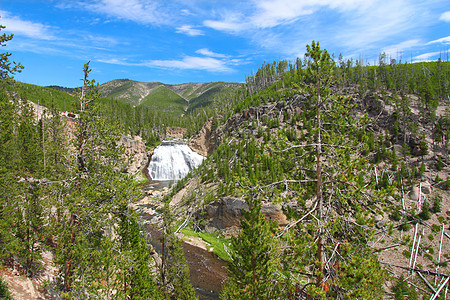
point(175, 132)
point(228, 212)
point(135, 148)
point(206, 140)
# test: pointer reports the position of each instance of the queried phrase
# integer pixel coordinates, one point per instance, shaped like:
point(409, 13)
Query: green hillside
point(127, 91)
point(164, 99)
point(169, 97)
point(45, 96)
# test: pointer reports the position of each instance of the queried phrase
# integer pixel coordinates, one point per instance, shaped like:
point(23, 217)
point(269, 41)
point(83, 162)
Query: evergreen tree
point(334, 184)
point(7, 68)
point(252, 269)
point(4, 291)
point(91, 203)
point(29, 228)
point(136, 280)
point(175, 270)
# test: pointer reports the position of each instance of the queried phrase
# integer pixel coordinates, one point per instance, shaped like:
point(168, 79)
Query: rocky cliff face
point(135, 149)
point(175, 132)
point(206, 140)
point(228, 212)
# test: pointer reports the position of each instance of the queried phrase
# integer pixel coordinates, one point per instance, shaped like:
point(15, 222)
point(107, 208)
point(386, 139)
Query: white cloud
point(425, 56)
point(230, 22)
point(398, 49)
point(186, 12)
point(375, 22)
point(222, 25)
point(115, 61)
point(140, 11)
point(445, 16)
point(187, 63)
point(192, 62)
point(279, 25)
point(26, 28)
point(444, 40)
point(189, 30)
point(273, 13)
point(207, 52)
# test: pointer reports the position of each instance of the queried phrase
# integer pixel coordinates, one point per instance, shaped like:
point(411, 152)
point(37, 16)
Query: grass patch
point(213, 239)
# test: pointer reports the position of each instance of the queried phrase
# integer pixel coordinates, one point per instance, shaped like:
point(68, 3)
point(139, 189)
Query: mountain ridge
point(138, 93)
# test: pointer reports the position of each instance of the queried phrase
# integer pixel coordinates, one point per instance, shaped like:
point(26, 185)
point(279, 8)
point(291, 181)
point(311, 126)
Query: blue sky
point(205, 40)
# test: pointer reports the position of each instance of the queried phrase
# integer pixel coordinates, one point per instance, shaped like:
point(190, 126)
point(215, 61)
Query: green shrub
point(422, 169)
point(406, 253)
point(4, 292)
point(443, 264)
point(404, 227)
point(439, 164)
point(425, 213)
point(395, 216)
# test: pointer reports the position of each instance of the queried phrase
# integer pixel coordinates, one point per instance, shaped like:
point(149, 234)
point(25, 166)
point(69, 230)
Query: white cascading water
point(172, 161)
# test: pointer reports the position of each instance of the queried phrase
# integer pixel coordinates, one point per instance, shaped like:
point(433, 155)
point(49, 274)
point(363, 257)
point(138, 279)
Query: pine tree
point(175, 270)
point(29, 228)
point(136, 280)
point(251, 273)
point(7, 68)
point(89, 204)
point(336, 188)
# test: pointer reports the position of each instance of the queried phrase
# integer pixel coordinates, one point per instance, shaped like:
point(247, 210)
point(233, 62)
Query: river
point(171, 161)
point(208, 273)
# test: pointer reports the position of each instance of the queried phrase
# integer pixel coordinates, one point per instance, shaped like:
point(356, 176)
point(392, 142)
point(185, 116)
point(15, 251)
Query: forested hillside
point(66, 229)
point(344, 170)
point(325, 179)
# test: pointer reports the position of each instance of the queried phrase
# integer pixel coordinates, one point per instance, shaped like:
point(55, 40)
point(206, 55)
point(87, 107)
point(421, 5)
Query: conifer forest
point(322, 178)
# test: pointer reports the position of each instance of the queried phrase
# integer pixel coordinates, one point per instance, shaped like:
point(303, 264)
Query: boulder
point(426, 187)
point(274, 213)
point(380, 224)
point(228, 212)
point(414, 193)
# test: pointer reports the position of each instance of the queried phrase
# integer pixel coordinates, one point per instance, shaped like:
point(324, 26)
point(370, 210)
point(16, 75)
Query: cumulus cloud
point(26, 28)
point(189, 30)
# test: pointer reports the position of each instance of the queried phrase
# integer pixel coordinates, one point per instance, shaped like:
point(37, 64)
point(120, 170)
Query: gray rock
point(378, 218)
point(380, 224)
point(414, 193)
point(426, 188)
point(228, 212)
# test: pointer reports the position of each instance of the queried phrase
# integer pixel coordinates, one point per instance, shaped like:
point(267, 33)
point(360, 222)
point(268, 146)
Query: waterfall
point(172, 161)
